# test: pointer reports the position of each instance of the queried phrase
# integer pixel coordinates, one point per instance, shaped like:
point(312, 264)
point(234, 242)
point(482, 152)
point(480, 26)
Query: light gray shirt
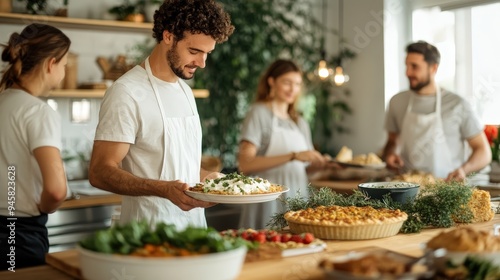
point(257, 127)
point(459, 120)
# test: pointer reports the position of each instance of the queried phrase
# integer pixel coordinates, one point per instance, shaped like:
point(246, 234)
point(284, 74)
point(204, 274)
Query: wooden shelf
point(85, 24)
point(99, 93)
point(77, 23)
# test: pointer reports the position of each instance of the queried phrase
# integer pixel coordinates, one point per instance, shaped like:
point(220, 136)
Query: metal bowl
point(401, 192)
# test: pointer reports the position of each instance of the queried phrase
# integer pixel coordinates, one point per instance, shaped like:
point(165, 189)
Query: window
point(468, 41)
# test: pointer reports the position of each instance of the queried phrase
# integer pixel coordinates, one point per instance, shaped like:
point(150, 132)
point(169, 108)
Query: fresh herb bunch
point(437, 205)
point(127, 238)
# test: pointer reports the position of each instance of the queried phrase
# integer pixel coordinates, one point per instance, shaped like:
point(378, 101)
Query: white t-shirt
point(26, 123)
point(129, 113)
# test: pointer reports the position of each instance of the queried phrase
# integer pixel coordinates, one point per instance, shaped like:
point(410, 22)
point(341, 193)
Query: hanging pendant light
point(323, 71)
point(340, 77)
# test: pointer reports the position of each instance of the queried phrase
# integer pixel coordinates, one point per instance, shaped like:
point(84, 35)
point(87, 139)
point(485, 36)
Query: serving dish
point(349, 232)
point(346, 222)
point(401, 192)
point(356, 165)
point(214, 266)
point(236, 199)
point(467, 250)
point(415, 268)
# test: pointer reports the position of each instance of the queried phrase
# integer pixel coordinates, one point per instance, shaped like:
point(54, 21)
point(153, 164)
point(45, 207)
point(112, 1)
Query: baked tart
point(346, 222)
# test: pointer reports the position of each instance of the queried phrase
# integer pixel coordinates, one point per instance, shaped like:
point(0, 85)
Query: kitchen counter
point(91, 200)
point(339, 186)
point(299, 267)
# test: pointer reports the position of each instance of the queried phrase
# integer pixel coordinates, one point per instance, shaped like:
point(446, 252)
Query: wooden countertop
point(91, 200)
point(299, 267)
point(339, 186)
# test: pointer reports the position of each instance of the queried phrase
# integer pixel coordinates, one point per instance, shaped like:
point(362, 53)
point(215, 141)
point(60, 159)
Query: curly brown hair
point(194, 16)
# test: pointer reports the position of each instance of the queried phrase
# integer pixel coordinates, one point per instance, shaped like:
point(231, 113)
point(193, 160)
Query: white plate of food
point(236, 198)
point(236, 188)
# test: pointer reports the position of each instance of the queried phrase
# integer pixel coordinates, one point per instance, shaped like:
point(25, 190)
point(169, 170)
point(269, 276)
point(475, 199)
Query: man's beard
point(421, 84)
point(173, 60)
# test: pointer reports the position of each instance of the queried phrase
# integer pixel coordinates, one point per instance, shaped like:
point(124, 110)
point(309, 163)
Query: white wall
point(363, 29)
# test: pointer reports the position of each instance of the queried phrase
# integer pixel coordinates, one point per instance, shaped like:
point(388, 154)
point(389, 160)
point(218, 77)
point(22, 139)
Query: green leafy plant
point(35, 6)
point(125, 9)
point(265, 31)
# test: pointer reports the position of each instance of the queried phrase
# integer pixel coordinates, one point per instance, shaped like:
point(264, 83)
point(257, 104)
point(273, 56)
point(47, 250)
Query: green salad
point(125, 239)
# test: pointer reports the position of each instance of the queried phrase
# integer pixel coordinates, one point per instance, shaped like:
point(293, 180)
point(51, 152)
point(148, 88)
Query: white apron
point(423, 140)
point(181, 161)
point(292, 175)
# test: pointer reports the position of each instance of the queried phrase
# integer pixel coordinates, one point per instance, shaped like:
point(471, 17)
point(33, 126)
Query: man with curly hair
point(147, 145)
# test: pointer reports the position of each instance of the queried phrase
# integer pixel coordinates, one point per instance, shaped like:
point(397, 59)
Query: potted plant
point(63, 11)
point(35, 7)
point(149, 7)
point(128, 11)
point(265, 31)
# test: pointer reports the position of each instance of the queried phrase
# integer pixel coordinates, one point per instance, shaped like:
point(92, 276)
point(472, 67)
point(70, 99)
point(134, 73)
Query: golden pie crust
point(345, 216)
point(465, 239)
point(346, 223)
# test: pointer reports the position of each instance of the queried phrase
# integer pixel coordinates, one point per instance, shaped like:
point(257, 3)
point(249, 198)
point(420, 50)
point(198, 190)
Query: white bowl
point(215, 266)
point(458, 258)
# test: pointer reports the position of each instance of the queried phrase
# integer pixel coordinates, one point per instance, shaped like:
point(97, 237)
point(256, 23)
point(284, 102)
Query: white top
point(161, 122)
point(26, 123)
point(274, 136)
point(460, 122)
point(129, 114)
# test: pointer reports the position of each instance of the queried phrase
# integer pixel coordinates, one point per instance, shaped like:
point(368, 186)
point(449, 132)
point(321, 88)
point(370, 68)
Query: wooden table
point(299, 267)
point(91, 200)
point(340, 186)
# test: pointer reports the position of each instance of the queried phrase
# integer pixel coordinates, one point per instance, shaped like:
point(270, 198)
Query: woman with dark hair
point(33, 182)
point(276, 142)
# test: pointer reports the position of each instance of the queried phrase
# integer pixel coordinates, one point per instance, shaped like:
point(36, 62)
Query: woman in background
point(33, 181)
point(276, 142)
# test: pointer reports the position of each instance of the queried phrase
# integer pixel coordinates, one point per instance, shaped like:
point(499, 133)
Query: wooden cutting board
point(65, 261)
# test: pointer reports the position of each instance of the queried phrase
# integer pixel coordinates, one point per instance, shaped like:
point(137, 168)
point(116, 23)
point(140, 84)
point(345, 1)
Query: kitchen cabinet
point(85, 24)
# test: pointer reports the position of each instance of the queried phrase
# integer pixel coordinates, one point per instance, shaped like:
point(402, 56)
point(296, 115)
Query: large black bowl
point(401, 192)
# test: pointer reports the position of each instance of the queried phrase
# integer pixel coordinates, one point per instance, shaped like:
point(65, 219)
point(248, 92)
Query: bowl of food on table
point(401, 192)
point(370, 263)
point(471, 253)
point(140, 251)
